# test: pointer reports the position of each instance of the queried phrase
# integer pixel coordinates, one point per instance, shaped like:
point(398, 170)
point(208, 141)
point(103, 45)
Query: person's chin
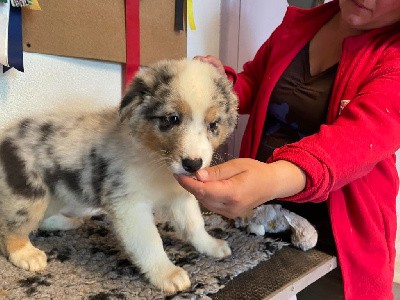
point(356, 22)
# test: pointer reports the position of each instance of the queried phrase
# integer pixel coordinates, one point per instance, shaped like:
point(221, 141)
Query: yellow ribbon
point(192, 25)
point(35, 5)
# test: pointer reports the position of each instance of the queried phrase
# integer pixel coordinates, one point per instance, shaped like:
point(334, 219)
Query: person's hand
point(233, 188)
point(216, 62)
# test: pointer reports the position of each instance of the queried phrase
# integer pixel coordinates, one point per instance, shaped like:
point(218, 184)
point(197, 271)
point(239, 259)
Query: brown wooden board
point(158, 40)
point(96, 30)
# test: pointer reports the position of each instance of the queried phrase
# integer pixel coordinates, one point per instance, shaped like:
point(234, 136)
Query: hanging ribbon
point(35, 5)
point(132, 28)
point(192, 25)
point(4, 20)
point(179, 15)
point(15, 54)
point(20, 3)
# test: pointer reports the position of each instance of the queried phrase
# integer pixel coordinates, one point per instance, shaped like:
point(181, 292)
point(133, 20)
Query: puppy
point(171, 119)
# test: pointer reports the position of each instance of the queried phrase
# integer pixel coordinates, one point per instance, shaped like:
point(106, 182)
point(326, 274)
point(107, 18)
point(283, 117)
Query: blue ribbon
point(15, 52)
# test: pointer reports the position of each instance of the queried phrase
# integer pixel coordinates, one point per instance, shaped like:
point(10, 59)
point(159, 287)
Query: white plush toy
point(273, 218)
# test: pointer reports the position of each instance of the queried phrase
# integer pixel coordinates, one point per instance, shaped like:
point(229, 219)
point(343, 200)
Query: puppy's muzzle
point(191, 165)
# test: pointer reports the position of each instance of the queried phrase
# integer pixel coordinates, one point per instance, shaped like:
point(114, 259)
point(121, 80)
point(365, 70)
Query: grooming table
point(287, 272)
point(89, 264)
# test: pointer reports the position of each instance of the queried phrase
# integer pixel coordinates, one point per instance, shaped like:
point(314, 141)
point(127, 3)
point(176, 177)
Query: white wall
point(52, 81)
point(205, 39)
point(258, 20)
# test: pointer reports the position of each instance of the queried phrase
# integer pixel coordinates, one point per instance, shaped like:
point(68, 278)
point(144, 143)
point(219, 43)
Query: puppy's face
point(181, 111)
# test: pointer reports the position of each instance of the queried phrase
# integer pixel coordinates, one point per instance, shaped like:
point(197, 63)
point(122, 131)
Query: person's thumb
point(218, 172)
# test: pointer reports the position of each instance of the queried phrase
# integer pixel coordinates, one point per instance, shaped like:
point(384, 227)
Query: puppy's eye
point(167, 122)
point(213, 126)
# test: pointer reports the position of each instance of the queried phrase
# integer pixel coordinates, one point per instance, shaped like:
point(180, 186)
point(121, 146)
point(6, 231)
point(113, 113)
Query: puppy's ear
point(134, 96)
point(230, 100)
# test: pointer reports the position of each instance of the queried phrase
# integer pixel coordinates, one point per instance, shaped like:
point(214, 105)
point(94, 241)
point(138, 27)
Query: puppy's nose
point(192, 165)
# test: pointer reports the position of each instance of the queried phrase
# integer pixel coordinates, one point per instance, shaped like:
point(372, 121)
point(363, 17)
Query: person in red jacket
point(323, 98)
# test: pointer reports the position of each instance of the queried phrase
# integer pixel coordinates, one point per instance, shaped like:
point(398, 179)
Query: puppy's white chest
point(157, 188)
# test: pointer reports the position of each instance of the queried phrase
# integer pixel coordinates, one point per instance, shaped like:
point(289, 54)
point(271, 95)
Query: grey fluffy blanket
point(89, 263)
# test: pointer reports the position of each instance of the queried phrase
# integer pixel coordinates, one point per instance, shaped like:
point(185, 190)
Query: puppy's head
point(180, 110)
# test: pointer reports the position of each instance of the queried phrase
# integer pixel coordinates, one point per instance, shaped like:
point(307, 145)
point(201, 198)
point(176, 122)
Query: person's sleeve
point(366, 132)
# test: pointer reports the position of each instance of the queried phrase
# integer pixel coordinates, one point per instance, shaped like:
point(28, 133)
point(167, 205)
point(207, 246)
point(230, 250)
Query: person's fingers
point(212, 60)
point(222, 208)
point(216, 207)
point(199, 57)
point(190, 184)
point(216, 196)
point(208, 59)
point(219, 172)
point(207, 191)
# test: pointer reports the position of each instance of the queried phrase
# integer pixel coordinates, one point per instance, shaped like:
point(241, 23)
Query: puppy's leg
point(16, 225)
point(54, 219)
point(135, 225)
point(189, 222)
point(60, 222)
point(62, 216)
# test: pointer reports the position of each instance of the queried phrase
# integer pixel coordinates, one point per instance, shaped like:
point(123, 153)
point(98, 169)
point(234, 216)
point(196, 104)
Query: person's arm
point(366, 133)
point(234, 187)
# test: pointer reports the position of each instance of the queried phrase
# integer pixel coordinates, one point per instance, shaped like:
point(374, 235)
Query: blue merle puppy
point(56, 168)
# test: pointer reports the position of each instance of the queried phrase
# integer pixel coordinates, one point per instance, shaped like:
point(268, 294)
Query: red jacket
point(350, 162)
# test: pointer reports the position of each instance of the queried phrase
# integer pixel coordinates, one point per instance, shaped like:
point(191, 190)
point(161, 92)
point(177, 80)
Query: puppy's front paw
point(218, 249)
point(171, 280)
point(29, 258)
